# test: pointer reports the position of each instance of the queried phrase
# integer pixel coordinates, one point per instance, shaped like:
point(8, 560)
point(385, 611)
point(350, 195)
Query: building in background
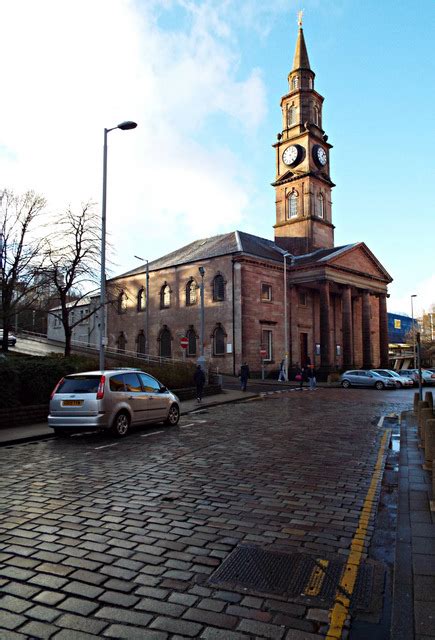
point(336, 297)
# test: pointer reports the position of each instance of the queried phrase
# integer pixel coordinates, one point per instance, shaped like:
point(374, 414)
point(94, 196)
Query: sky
point(203, 80)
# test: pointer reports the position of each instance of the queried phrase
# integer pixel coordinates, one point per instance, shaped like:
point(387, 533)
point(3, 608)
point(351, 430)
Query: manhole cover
point(298, 576)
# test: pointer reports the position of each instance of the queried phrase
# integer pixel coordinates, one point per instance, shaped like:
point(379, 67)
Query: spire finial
point(300, 16)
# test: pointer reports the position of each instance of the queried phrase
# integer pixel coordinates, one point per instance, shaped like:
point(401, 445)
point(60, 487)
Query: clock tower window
point(295, 83)
point(320, 206)
point(316, 114)
point(291, 115)
point(293, 204)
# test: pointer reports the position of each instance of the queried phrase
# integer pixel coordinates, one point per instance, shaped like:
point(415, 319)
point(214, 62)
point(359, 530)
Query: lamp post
point(414, 295)
point(201, 333)
point(147, 307)
point(285, 256)
point(124, 126)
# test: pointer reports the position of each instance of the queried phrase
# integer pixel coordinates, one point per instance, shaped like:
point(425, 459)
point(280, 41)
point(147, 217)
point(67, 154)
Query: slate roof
point(235, 242)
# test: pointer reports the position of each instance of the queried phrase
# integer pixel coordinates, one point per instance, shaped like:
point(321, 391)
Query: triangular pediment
point(359, 259)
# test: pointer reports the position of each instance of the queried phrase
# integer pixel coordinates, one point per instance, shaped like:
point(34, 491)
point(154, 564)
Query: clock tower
point(302, 183)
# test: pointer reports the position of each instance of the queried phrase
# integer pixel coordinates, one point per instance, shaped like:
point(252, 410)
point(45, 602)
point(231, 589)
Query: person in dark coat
point(300, 377)
point(199, 380)
point(244, 375)
point(311, 373)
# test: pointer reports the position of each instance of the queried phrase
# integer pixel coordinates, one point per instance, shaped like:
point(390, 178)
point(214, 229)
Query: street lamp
point(147, 309)
point(285, 256)
point(201, 337)
point(414, 295)
point(124, 126)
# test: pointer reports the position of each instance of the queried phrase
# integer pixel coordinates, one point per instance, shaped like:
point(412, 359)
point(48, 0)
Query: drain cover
point(298, 576)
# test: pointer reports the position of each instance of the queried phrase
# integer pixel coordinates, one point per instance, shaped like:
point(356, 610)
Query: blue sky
point(204, 79)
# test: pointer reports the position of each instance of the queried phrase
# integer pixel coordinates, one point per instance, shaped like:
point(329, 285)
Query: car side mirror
point(163, 389)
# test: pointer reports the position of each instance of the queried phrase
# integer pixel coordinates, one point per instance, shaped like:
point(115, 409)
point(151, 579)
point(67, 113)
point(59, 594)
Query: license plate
point(72, 403)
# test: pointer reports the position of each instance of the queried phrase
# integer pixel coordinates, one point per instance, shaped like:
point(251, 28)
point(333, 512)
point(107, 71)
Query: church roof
point(300, 60)
point(235, 242)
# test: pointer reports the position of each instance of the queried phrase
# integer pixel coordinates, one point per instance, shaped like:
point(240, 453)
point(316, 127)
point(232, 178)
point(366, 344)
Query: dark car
point(12, 341)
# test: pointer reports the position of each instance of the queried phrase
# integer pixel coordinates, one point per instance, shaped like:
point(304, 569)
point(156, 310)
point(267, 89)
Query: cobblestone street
point(119, 538)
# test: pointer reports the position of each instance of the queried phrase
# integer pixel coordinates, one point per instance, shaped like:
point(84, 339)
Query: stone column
point(366, 332)
point(383, 331)
point(347, 328)
point(325, 329)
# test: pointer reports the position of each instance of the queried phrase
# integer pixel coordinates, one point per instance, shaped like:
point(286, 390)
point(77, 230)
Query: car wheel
point(400, 385)
point(345, 384)
point(379, 385)
point(173, 415)
point(121, 424)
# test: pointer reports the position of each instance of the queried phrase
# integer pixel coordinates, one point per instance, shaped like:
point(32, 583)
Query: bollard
point(429, 449)
point(421, 405)
point(425, 414)
point(416, 401)
point(428, 397)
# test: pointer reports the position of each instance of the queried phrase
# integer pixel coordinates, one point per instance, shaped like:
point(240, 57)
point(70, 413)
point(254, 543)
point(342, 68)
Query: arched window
point(310, 83)
point(191, 347)
point(191, 288)
point(122, 302)
point(316, 115)
point(165, 341)
point(165, 297)
point(219, 341)
point(295, 83)
point(141, 299)
point(218, 288)
point(141, 344)
point(320, 206)
point(293, 204)
point(121, 342)
point(291, 115)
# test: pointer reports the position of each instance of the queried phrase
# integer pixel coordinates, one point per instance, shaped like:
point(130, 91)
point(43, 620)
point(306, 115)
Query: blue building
point(399, 328)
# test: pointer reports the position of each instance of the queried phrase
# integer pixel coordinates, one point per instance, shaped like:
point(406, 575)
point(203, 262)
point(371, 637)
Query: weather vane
point(300, 16)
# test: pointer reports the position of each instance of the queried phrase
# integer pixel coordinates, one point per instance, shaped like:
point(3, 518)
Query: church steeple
point(302, 183)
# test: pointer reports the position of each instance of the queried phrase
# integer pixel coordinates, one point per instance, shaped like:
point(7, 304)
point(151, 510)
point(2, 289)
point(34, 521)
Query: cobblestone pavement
point(118, 538)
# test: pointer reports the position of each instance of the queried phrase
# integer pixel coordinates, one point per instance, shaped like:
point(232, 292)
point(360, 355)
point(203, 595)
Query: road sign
point(184, 342)
point(263, 353)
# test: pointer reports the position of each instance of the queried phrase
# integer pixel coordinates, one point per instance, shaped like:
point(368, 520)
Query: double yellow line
point(340, 609)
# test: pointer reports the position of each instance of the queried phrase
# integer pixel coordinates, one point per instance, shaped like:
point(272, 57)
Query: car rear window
point(79, 385)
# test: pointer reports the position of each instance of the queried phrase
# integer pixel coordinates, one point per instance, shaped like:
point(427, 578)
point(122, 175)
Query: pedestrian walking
point(281, 377)
point(312, 377)
point(300, 377)
point(199, 380)
point(244, 375)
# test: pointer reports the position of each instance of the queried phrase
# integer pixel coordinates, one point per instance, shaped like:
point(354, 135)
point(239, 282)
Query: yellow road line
point(340, 609)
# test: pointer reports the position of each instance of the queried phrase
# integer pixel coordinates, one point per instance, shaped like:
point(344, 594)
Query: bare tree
point(21, 254)
point(73, 257)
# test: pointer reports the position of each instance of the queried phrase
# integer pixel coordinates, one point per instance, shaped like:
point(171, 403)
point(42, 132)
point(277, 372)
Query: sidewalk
point(27, 433)
point(413, 615)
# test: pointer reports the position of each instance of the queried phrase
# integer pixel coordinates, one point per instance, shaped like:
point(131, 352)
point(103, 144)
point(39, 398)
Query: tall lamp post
point(414, 295)
point(201, 332)
point(124, 126)
point(285, 256)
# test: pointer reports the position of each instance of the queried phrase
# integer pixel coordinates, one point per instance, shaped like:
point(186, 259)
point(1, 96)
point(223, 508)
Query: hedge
point(30, 381)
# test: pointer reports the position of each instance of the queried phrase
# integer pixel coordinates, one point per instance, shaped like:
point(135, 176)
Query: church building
point(297, 296)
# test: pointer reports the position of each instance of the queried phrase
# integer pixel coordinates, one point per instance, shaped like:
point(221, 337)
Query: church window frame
point(191, 293)
point(316, 115)
point(122, 303)
point(140, 299)
point(165, 342)
point(121, 342)
point(218, 288)
point(267, 344)
point(291, 115)
point(295, 83)
point(141, 343)
point(320, 208)
point(219, 342)
point(165, 296)
point(292, 204)
point(302, 298)
point(191, 336)
point(265, 292)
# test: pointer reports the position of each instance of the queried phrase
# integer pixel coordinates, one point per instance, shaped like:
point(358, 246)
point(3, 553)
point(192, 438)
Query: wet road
point(104, 538)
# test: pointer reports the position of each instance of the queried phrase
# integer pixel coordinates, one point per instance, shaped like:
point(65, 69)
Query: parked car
point(366, 378)
point(410, 373)
point(113, 399)
point(427, 375)
point(12, 341)
point(401, 381)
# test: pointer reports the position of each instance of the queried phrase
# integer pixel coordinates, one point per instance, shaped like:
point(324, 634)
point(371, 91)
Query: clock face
point(291, 155)
point(320, 155)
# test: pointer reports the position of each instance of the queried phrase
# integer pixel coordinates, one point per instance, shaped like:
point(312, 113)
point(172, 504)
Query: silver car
point(112, 400)
point(366, 378)
point(401, 381)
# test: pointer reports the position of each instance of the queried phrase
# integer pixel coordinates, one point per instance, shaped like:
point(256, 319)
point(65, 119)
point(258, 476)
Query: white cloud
point(74, 68)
